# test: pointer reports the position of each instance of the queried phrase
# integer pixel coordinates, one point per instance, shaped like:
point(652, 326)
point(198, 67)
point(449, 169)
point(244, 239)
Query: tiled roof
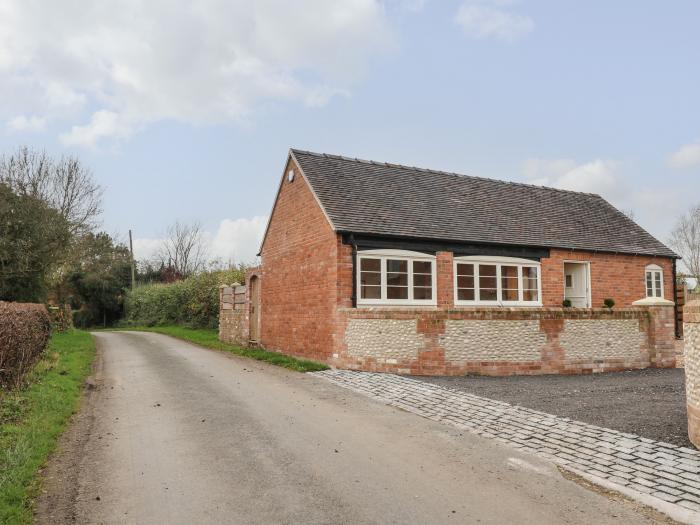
point(377, 198)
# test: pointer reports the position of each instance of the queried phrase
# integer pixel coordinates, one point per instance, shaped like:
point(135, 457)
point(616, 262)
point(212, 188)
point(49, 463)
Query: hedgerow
point(192, 302)
point(24, 332)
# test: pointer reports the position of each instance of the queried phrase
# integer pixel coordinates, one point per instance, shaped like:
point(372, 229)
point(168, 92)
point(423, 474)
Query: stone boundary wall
point(691, 334)
point(504, 341)
point(233, 314)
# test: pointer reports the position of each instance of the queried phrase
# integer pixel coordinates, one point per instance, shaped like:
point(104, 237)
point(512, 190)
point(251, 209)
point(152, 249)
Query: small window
point(655, 281)
point(497, 281)
point(569, 281)
point(396, 277)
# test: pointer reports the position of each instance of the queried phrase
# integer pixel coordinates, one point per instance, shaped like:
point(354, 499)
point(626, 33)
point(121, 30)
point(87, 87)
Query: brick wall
point(234, 314)
point(621, 277)
point(504, 341)
point(300, 288)
point(691, 329)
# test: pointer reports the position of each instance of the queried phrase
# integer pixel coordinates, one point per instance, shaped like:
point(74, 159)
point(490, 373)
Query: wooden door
point(576, 284)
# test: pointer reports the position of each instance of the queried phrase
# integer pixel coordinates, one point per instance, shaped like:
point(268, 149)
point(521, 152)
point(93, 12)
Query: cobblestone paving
point(661, 470)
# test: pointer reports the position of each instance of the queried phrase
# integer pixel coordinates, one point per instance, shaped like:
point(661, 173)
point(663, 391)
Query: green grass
point(33, 417)
point(209, 338)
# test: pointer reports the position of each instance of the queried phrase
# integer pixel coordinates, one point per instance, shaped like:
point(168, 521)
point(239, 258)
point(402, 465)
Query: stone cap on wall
point(653, 301)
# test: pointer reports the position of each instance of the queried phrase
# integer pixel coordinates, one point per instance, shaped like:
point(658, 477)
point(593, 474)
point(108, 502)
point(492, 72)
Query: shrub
point(24, 332)
point(192, 302)
point(609, 302)
point(566, 303)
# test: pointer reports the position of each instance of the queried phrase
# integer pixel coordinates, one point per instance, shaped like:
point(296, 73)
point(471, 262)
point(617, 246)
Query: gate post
point(691, 335)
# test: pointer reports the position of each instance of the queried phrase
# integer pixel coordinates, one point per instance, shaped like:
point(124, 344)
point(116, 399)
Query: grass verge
point(209, 338)
point(33, 417)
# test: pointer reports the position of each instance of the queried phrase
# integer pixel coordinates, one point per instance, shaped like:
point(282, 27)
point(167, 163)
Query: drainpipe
point(675, 302)
point(354, 270)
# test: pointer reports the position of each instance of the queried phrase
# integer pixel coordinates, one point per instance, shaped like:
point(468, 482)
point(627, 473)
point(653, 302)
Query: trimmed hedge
point(192, 302)
point(24, 332)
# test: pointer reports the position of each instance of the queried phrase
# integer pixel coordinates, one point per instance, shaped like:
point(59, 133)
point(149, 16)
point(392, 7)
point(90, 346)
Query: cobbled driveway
point(659, 474)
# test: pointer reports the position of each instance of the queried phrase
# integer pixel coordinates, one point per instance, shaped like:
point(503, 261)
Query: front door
point(576, 284)
point(254, 310)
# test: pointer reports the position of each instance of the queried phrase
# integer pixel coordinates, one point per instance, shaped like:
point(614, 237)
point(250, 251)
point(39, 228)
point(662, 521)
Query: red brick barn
point(379, 266)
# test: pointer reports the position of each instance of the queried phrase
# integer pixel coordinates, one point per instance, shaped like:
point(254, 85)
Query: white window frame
point(402, 255)
point(476, 260)
point(654, 268)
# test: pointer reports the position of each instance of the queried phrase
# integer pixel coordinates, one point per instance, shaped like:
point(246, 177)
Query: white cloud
point(137, 62)
point(480, 20)
point(598, 176)
point(25, 123)
point(235, 240)
point(687, 156)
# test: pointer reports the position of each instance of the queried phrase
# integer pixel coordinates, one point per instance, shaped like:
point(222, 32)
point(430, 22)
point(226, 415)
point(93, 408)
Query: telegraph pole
point(133, 267)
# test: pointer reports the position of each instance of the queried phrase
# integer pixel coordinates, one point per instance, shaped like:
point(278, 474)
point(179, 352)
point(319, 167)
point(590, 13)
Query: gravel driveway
point(649, 403)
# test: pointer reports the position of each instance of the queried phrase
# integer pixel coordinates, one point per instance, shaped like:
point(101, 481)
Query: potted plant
point(566, 303)
point(609, 302)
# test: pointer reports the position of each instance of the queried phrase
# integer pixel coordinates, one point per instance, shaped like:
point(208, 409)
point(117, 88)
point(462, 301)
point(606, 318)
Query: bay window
point(395, 277)
point(655, 281)
point(497, 281)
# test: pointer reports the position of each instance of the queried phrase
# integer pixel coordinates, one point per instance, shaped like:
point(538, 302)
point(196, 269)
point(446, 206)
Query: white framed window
point(395, 277)
point(497, 281)
point(655, 281)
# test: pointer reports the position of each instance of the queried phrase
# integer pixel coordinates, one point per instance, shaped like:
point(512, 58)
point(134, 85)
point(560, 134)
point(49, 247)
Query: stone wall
point(233, 314)
point(504, 341)
point(691, 334)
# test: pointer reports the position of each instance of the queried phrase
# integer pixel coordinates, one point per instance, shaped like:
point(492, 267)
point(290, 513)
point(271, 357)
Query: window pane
point(465, 281)
point(465, 269)
point(370, 265)
point(393, 265)
point(487, 294)
point(650, 290)
point(465, 294)
point(509, 294)
point(487, 282)
point(420, 279)
point(397, 292)
point(370, 278)
point(530, 292)
point(487, 270)
point(509, 283)
point(530, 277)
point(371, 292)
point(422, 267)
point(397, 279)
point(530, 295)
point(422, 293)
point(657, 282)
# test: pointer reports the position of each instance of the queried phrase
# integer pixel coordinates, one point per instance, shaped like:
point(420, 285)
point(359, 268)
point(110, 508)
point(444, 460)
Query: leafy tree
point(32, 238)
point(98, 281)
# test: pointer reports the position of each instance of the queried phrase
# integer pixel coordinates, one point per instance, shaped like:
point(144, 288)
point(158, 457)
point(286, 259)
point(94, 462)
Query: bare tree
point(64, 184)
point(685, 239)
point(184, 248)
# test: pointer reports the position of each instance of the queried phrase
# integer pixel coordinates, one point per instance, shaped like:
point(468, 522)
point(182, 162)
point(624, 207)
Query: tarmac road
point(172, 433)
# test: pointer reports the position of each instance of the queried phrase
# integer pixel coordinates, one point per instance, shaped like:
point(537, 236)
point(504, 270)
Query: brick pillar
point(662, 331)
point(691, 336)
point(445, 280)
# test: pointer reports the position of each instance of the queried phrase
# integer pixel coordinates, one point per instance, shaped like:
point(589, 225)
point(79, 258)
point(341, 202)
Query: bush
point(566, 303)
point(24, 332)
point(192, 302)
point(609, 302)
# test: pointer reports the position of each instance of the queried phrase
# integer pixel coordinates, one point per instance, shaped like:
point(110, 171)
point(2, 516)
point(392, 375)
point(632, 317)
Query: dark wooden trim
point(368, 242)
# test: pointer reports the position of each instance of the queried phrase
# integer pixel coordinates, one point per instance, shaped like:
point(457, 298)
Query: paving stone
point(646, 466)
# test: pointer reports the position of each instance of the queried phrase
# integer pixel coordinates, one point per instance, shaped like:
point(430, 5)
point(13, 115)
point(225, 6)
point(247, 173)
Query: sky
point(186, 110)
